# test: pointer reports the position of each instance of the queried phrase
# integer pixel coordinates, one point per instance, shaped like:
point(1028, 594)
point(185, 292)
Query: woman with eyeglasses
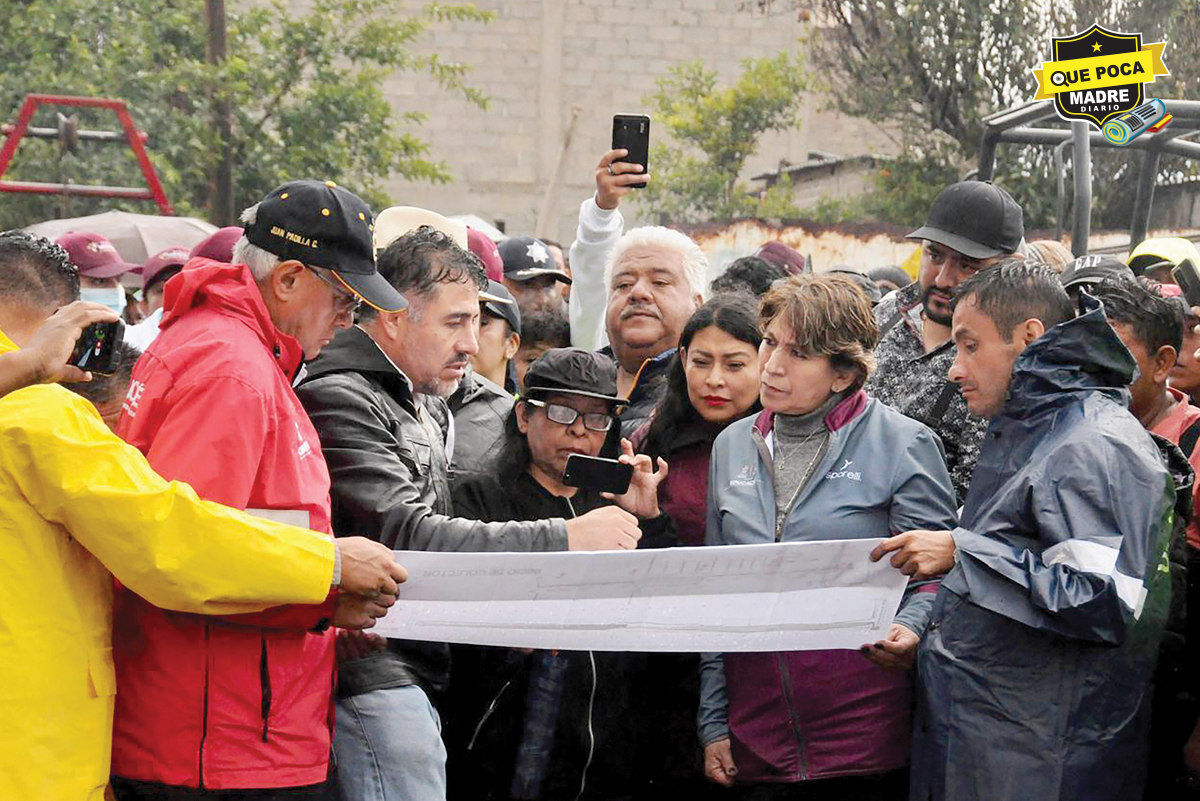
point(552, 725)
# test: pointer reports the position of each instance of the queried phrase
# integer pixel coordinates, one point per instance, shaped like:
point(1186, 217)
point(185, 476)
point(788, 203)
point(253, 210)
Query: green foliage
point(712, 131)
point(305, 87)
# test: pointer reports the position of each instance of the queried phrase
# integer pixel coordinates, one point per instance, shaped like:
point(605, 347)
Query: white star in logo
point(537, 252)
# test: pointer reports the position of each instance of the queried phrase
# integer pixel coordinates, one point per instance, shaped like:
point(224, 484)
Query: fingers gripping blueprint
point(770, 597)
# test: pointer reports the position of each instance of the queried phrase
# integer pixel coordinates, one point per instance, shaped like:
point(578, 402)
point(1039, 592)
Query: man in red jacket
point(242, 703)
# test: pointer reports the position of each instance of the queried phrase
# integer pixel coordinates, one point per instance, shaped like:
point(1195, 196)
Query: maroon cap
point(482, 246)
point(171, 257)
point(219, 245)
point(93, 255)
point(783, 256)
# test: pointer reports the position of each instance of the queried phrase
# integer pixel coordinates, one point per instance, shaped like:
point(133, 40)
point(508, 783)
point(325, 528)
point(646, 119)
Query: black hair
point(108, 388)
point(1013, 291)
point(514, 456)
point(164, 275)
point(748, 274)
point(736, 314)
point(547, 327)
point(420, 260)
point(1156, 321)
point(892, 274)
point(36, 272)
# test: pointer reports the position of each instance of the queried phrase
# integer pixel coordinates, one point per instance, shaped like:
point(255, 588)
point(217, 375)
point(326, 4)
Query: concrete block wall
point(539, 58)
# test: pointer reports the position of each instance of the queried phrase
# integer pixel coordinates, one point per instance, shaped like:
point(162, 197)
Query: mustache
point(459, 360)
point(639, 308)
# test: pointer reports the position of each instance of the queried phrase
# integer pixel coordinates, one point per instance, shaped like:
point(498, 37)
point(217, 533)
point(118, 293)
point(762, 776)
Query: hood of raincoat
point(1082, 354)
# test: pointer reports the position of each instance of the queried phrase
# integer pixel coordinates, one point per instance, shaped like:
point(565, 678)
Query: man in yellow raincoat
point(76, 502)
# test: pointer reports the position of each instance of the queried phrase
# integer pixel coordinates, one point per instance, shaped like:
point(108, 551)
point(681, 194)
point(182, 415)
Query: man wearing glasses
point(241, 706)
point(971, 226)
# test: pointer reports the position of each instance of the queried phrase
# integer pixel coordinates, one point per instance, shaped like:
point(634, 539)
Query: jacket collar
point(1080, 355)
point(839, 416)
point(230, 290)
point(354, 351)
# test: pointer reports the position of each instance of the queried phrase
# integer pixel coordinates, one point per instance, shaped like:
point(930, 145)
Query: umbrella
point(136, 237)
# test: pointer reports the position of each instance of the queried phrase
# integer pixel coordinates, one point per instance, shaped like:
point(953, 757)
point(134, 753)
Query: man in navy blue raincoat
point(1034, 672)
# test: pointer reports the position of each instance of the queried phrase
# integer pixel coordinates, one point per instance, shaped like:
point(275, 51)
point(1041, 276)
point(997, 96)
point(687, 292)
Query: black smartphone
point(596, 473)
point(632, 132)
point(1188, 278)
point(96, 348)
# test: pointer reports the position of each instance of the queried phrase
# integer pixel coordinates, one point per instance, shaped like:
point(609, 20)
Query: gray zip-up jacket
point(882, 474)
point(390, 481)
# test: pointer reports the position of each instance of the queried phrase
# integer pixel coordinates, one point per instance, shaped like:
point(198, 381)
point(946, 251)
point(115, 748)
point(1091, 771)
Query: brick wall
point(538, 58)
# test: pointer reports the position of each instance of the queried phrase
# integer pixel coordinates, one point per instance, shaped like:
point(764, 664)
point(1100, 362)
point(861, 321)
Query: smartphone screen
point(632, 132)
point(595, 473)
point(97, 346)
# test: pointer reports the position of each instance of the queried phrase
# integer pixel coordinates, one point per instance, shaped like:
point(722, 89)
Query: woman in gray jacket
point(821, 462)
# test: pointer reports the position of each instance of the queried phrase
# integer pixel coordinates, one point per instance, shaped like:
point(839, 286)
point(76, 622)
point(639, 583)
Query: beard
point(936, 308)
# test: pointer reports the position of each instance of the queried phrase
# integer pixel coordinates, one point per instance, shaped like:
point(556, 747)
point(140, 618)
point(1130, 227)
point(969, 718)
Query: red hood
point(228, 289)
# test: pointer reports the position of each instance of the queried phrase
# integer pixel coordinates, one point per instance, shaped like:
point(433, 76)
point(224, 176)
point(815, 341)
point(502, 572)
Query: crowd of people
point(197, 541)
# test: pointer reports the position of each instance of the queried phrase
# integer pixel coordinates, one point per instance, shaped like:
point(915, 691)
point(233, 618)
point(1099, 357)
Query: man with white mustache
point(655, 278)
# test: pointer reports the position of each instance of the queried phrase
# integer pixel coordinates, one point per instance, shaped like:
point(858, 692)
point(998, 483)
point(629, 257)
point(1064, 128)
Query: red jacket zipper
point(786, 683)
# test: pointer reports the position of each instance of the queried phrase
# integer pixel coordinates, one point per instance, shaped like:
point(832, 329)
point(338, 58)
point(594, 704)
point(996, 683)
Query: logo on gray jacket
point(845, 472)
point(745, 478)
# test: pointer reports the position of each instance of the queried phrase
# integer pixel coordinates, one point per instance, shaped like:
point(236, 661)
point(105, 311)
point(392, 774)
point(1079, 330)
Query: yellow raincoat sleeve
point(158, 538)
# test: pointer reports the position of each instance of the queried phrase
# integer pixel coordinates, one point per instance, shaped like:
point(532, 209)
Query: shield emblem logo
point(1098, 105)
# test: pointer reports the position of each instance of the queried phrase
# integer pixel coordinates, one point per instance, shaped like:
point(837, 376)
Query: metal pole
point(1147, 178)
point(1060, 180)
point(221, 188)
point(1081, 162)
point(987, 155)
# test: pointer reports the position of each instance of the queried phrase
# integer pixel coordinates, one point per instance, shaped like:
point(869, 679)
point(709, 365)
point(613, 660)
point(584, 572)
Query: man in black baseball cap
point(320, 224)
point(1090, 269)
point(532, 275)
point(971, 225)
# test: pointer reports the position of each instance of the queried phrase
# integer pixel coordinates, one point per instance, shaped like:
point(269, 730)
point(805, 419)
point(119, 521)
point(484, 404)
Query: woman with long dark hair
point(712, 381)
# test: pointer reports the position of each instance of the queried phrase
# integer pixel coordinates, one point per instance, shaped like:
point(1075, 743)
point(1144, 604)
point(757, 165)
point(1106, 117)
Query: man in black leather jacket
point(375, 397)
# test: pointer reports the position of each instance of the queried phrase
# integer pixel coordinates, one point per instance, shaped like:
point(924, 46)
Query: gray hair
point(261, 262)
point(695, 263)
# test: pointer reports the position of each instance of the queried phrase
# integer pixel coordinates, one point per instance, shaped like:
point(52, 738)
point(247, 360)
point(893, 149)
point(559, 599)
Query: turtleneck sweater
point(800, 443)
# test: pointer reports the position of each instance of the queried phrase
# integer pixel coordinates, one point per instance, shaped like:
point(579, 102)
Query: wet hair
point(418, 261)
point(547, 327)
point(35, 272)
point(1155, 321)
point(736, 315)
point(108, 388)
point(1013, 291)
point(749, 274)
point(828, 315)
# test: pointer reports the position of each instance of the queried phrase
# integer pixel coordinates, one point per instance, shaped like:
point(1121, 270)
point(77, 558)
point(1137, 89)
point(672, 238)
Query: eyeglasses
point(565, 415)
point(343, 301)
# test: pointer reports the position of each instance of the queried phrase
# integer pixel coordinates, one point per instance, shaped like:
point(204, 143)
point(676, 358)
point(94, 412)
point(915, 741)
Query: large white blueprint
point(771, 597)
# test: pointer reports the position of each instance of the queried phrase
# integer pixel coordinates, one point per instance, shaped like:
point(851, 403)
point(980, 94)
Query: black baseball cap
point(321, 224)
point(573, 371)
point(1094, 268)
point(527, 257)
point(976, 218)
point(506, 309)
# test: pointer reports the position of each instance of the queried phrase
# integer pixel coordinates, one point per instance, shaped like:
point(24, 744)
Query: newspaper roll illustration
point(1124, 129)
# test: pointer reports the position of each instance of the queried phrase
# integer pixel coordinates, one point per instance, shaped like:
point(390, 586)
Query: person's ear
point(511, 346)
point(842, 379)
point(1028, 331)
point(286, 280)
point(522, 417)
point(698, 300)
point(1164, 360)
